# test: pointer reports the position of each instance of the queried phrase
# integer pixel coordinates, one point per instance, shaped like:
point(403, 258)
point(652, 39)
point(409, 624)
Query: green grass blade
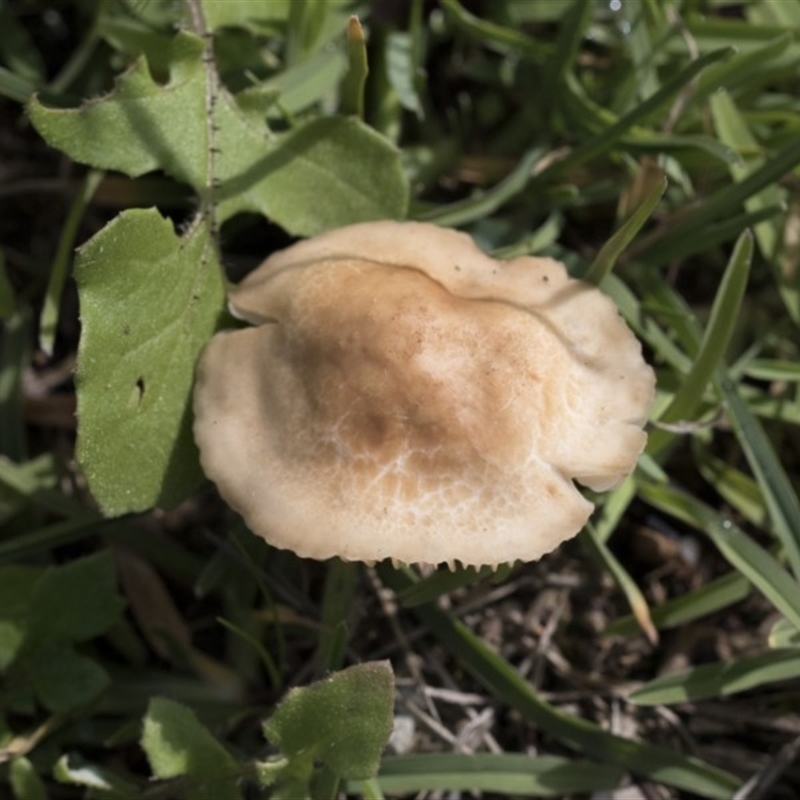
point(708, 599)
point(779, 495)
point(724, 314)
point(352, 101)
point(634, 596)
point(754, 562)
point(441, 582)
point(492, 34)
point(497, 675)
point(482, 204)
point(48, 322)
point(601, 142)
point(678, 248)
point(727, 201)
point(570, 35)
point(504, 774)
point(644, 325)
point(738, 490)
point(711, 681)
point(613, 248)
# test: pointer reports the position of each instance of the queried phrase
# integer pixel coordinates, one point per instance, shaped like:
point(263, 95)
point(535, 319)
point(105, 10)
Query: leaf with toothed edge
point(321, 174)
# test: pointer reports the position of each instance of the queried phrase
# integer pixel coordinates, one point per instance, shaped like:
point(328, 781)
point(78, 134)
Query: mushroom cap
point(404, 395)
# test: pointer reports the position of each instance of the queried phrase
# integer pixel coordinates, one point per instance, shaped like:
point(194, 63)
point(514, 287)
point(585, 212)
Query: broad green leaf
point(177, 744)
point(343, 721)
point(76, 601)
point(149, 302)
point(720, 680)
point(505, 774)
point(64, 679)
point(322, 174)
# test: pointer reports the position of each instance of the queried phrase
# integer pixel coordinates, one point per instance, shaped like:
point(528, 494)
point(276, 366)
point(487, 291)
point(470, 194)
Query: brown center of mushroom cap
point(402, 369)
point(379, 413)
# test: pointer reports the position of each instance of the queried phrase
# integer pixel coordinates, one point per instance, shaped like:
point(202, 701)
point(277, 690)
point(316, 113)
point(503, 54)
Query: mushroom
point(402, 394)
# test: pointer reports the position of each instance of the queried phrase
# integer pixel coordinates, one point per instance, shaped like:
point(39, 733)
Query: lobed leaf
point(343, 721)
point(324, 173)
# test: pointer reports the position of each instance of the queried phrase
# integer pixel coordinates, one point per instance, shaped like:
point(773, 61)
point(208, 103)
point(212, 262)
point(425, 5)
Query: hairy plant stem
point(208, 197)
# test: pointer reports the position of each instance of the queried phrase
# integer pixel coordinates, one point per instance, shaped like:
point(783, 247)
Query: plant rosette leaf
point(321, 174)
point(43, 607)
point(343, 721)
point(149, 302)
point(177, 744)
point(64, 679)
point(43, 612)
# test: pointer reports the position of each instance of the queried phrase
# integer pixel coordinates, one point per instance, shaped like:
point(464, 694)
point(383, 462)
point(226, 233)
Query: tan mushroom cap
point(404, 395)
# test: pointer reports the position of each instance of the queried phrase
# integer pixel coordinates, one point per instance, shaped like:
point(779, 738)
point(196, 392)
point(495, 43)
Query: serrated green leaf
point(64, 679)
point(343, 721)
point(177, 744)
point(322, 174)
point(149, 302)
